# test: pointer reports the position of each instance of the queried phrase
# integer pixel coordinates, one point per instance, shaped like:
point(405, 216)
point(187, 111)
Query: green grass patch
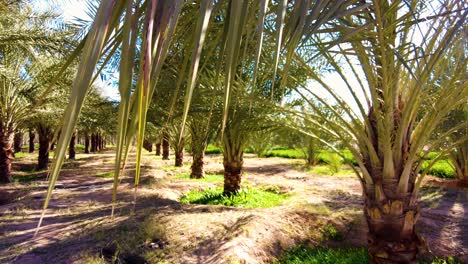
point(246, 198)
point(208, 177)
point(212, 149)
point(105, 174)
point(286, 153)
point(319, 255)
point(28, 178)
point(79, 147)
point(304, 254)
point(441, 169)
point(325, 170)
point(324, 157)
point(20, 155)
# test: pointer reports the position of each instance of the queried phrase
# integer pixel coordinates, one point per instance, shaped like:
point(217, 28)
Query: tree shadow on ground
point(444, 221)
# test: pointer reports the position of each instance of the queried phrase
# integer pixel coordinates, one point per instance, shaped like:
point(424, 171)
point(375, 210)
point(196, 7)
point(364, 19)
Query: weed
point(330, 232)
point(105, 174)
point(334, 163)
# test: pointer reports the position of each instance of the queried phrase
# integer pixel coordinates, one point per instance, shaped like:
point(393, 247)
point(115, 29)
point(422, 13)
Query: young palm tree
point(177, 141)
point(388, 69)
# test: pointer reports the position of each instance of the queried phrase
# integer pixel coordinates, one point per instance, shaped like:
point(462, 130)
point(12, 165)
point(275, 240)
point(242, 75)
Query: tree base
point(232, 177)
point(390, 252)
point(179, 160)
point(197, 168)
point(5, 165)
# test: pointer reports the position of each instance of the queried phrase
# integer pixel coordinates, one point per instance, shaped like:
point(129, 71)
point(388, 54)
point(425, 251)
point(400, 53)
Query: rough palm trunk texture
point(165, 146)
point(71, 147)
point(148, 145)
point(391, 235)
point(391, 219)
point(6, 155)
point(93, 143)
point(158, 149)
point(44, 146)
point(232, 177)
point(32, 136)
point(179, 158)
point(86, 150)
point(101, 142)
point(198, 169)
point(18, 141)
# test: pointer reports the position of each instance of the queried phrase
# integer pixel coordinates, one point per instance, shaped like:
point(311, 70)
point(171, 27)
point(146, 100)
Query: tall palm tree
point(388, 69)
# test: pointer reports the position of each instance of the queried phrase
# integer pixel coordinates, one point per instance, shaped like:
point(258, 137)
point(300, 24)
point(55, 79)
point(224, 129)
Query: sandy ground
point(78, 223)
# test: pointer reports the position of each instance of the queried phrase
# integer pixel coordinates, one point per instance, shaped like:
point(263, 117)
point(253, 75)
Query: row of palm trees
point(33, 48)
point(402, 64)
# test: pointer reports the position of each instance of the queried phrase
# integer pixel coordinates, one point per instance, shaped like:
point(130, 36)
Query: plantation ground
point(319, 210)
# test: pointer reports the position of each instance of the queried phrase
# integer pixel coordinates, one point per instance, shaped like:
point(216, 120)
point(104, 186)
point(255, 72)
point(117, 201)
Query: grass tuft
point(304, 254)
point(246, 198)
point(105, 174)
point(330, 232)
point(319, 255)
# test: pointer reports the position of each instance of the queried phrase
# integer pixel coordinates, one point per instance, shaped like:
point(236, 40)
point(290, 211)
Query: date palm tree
point(24, 38)
point(387, 71)
point(143, 31)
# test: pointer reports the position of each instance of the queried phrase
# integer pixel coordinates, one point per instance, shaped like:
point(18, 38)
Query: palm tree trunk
point(31, 140)
point(6, 154)
point(232, 176)
point(391, 235)
point(45, 135)
point(165, 146)
point(391, 219)
point(233, 153)
point(18, 141)
point(158, 149)
point(93, 142)
point(198, 169)
point(148, 145)
point(179, 157)
point(86, 150)
point(101, 142)
point(71, 147)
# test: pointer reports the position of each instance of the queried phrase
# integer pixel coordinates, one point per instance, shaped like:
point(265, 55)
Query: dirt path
point(78, 224)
